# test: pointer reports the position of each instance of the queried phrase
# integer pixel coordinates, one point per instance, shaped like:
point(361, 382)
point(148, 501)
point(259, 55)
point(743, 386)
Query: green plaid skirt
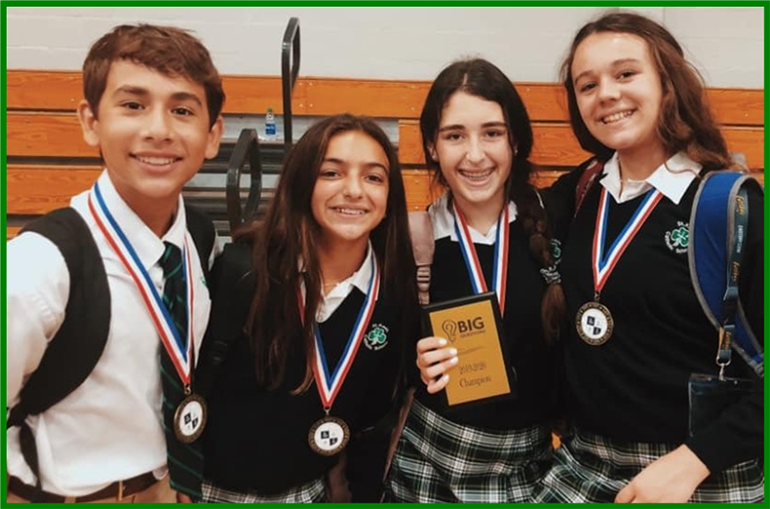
point(313, 491)
point(438, 460)
point(592, 468)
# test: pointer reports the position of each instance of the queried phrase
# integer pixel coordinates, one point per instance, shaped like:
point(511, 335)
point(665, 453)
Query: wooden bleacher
point(48, 161)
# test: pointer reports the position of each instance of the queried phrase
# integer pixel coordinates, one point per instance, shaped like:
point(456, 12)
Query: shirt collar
point(147, 245)
point(671, 178)
point(359, 279)
point(443, 220)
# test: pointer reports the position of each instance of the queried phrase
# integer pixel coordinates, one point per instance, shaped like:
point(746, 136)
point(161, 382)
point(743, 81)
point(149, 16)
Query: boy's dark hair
point(685, 122)
point(290, 233)
point(480, 78)
point(170, 51)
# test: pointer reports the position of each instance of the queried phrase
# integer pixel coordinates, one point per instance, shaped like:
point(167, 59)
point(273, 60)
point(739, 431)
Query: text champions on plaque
point(472, 325)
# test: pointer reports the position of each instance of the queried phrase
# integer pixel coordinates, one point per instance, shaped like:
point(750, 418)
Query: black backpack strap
point(72, 354)
point(203, 234)
point(232, 289)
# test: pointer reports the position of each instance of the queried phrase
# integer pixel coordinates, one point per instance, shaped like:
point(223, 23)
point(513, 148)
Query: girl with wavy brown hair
point(639, 331)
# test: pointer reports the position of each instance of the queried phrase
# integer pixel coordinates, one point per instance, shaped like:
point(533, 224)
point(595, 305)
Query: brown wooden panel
point(410, 142)
point(51, 134)
point(43, 90)
point(748, 140)
point(737, 106)
point(255, 94)
point(11, 232)
point(40, 189)
point(545, 102)
point(420, 189)
point(555, 145)
point(62, 90)
point(376, 98)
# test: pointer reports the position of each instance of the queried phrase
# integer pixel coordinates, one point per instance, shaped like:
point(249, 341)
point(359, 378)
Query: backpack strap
point(203, 234)
point(593, 169)
point(718, 225)
point(76, 348)
point(229, 301)
point(423, 246)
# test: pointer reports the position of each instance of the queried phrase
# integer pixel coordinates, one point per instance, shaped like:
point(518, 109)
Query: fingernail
point(446, 378)
point(453, 352)
point(453, 360)
point(441, 342)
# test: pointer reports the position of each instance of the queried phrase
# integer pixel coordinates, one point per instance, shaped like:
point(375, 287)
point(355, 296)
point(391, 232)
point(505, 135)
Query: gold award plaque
point(472, 328)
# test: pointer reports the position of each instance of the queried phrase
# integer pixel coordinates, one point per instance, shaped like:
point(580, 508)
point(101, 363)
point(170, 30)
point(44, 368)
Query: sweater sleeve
point(737, 435)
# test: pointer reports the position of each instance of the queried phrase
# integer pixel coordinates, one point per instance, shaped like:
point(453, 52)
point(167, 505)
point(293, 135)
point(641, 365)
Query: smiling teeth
point(156, 161)
point(476, 175)
point(352, 212)
point(616, 116)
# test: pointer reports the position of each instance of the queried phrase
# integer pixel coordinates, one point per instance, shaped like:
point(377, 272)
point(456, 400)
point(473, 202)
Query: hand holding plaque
point(472, 325)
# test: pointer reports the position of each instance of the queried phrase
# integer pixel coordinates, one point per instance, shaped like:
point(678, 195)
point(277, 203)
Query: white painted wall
point(528, 43)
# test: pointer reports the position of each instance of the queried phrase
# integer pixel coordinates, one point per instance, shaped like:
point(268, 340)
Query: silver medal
point(594, 323)
point(329, 436)
point(190, 418)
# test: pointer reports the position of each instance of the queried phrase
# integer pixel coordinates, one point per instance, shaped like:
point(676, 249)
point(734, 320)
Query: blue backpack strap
point(712, 231)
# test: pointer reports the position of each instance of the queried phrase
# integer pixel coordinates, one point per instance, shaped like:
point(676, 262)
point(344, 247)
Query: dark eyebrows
point(615, 63)
point(459, 127)
point(143, 93)
point(367, 165)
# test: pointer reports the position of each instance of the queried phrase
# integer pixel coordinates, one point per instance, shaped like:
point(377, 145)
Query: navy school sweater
point(257, 439)
point(634, 387)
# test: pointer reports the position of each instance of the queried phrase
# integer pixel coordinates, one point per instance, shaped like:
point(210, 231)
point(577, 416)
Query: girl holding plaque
point(639, 331)
point(326, 298)
point(490, 233)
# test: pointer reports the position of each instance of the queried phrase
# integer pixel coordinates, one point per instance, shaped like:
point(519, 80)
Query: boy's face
point(153, 133)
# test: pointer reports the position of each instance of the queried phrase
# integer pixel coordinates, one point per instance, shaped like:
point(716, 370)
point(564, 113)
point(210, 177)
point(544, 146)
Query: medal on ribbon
point(500, 269)
point(190, 415)
point(594, 321)
point(329, 435)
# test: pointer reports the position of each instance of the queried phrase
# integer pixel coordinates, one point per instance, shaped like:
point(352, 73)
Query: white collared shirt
point(359, 279)
point(443, 220)
point(109, 428)
point(671, 178)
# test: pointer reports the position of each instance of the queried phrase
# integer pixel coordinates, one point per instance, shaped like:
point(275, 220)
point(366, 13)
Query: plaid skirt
point(438, 460)
point(592, 468)
point(313, 491)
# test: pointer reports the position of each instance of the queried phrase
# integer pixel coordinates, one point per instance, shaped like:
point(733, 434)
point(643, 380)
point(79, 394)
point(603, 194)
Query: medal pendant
point(190, 419)
point(328, 436)
point(594, 323)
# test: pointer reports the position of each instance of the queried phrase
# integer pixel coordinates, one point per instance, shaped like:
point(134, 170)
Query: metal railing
point(289, 72)
point(247, 149)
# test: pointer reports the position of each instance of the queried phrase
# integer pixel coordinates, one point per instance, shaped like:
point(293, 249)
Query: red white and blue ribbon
point(500, 269)
point(329, 383)
point(179, 349)
point(603, 263)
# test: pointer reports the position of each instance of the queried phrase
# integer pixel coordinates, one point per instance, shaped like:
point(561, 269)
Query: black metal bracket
point(289, 73)
point(246, 151)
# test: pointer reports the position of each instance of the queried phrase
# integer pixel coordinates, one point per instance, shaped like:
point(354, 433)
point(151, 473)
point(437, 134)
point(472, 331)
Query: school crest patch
point(678, 238)
point(377, 337)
